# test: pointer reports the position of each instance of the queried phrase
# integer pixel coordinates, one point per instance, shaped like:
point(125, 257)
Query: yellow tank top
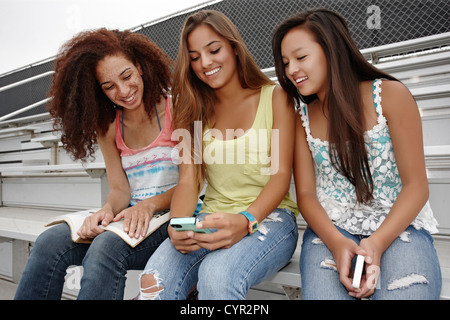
point(238, 169)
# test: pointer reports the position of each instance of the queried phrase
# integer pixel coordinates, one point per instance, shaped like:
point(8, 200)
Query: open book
point(75, 221)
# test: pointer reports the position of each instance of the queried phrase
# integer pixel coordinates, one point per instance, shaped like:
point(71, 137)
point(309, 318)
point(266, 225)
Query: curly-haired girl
point(110, 87)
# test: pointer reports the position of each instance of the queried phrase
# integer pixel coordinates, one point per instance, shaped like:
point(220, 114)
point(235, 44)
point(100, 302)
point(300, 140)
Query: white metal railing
point(373, 54)
point(19, 83)
point(31, 106)
point(409, 46)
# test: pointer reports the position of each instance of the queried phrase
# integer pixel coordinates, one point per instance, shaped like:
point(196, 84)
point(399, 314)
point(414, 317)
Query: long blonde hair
point(193, 100)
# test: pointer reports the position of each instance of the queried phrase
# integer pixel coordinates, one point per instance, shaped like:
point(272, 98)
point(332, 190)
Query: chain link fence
point(371, 22)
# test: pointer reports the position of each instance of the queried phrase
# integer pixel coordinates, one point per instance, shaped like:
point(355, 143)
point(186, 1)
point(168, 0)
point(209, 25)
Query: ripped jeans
point(226, 274)
point(409, 268)
point(105, 263)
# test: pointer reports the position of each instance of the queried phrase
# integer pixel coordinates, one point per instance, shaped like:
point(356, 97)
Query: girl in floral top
point(359, 167)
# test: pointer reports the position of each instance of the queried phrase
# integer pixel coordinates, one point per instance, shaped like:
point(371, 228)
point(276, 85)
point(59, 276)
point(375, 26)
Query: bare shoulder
point(394, 88)
point(109, 136)
point(281, 101)
point(279, 93)
point(396, 98)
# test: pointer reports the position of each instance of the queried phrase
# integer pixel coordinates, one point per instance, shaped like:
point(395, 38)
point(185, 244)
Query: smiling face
point(305, 63)
point(213, 59)
point(120, 81)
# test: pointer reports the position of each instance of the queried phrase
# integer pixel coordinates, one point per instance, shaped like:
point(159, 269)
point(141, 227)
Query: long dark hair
point(347, 67)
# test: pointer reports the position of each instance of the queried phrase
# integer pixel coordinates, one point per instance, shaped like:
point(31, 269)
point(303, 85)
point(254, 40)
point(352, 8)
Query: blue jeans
point(409, 268)
point(226, 274)
point(105, 263)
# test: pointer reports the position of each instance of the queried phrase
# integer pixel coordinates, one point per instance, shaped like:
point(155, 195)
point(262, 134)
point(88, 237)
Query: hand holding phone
point(358, 271)
point(187, 224)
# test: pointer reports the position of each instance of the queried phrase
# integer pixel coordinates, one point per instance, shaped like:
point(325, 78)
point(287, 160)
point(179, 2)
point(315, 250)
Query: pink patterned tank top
point(153, 169)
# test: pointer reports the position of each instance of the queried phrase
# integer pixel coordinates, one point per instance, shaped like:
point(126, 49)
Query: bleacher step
point(25, 223)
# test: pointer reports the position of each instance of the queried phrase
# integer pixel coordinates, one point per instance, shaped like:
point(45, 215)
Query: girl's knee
point(56, 234)
point(150, 286)
point(222, 284)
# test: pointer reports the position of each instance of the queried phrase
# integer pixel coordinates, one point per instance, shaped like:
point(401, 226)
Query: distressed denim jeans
point(409, 268)
point(226, 274)
point(105, 263)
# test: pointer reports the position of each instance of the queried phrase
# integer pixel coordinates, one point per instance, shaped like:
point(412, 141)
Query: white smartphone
point(357, 274)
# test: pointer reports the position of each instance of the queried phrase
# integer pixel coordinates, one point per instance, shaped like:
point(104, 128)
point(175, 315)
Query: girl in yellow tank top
point(247, 154)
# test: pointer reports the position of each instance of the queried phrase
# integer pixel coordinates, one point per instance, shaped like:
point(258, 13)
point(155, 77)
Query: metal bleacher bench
point(22, 218)
point(24, 224)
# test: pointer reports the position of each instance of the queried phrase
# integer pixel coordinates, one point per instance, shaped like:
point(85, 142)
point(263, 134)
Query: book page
point(75, 221)
point(117, 227)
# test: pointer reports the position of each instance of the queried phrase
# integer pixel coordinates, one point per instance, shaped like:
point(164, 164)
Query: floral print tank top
point(338, 196)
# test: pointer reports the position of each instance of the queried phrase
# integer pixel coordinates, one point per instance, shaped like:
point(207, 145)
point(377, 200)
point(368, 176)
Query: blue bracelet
point(252, 222)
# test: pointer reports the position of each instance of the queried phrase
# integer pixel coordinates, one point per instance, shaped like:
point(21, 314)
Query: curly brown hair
point(80, 109)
